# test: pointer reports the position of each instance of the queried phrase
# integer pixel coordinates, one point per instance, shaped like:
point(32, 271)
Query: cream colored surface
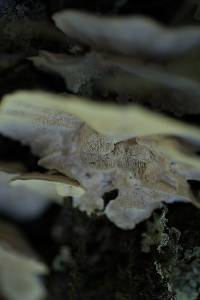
point(106, 147)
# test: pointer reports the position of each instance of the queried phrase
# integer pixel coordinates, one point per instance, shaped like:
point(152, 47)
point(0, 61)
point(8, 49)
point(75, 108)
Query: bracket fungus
point(20, 269)
point(104, 147)
point(133, 57)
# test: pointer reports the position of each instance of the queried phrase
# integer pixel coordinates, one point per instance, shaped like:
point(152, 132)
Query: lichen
point(178, 267)
point(157, 233)
point(185, 275)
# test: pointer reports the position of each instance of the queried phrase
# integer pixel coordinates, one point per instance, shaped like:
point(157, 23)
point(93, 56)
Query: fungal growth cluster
point(114, 140)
